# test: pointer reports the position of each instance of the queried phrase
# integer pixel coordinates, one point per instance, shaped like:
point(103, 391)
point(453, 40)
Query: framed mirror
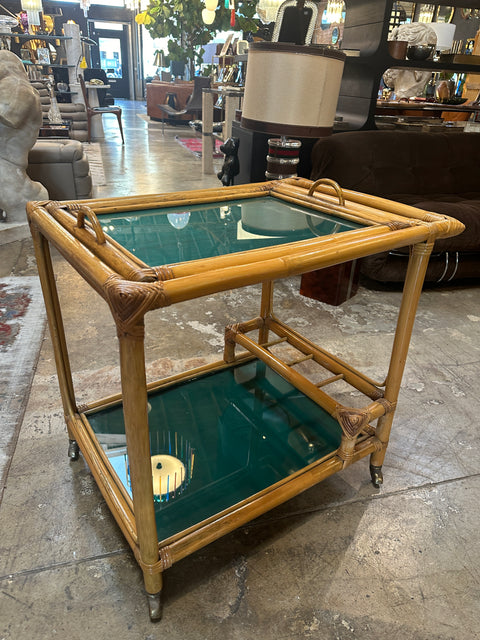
point(444, 13)
point(294, 24)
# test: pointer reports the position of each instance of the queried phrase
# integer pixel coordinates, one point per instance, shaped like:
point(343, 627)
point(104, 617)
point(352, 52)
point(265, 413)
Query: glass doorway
point(111, 55)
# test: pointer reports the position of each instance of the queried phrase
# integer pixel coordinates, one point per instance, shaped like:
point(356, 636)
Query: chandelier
point(136, 5)
point(426, 12)
point(33, 9)
point(85, 5)
point(267, 10)
point(334, 11)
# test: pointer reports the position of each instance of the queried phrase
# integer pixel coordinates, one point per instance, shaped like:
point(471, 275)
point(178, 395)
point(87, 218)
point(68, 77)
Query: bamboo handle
point(82, 211)
point(333, 184)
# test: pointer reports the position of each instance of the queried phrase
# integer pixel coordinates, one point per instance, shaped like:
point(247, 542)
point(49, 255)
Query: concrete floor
point(341, 561)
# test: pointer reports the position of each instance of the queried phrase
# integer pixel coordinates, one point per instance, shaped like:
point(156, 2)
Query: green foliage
point(181, 22)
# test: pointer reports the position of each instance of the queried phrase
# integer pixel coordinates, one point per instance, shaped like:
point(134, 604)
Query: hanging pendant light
point(85, 5)
point(33, 9)
point(208, 16)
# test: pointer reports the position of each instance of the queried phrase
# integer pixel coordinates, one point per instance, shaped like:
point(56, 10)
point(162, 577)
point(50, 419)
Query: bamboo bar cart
point(187, 459)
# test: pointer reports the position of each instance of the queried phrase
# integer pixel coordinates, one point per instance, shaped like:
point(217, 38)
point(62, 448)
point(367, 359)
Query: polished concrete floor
point(341, 561)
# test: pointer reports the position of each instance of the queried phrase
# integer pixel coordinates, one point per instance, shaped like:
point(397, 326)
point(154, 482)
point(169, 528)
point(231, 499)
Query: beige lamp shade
point(445, 33)
point(292, 89)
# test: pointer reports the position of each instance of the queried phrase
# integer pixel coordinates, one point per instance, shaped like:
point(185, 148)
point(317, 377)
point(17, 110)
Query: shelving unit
point(18, 39)
point(366, 29)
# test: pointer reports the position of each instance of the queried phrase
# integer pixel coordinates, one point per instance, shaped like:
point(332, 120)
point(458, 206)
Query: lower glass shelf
point(219, 438)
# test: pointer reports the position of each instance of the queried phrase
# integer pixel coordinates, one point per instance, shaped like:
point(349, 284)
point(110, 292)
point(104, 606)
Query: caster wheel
point(377, 476)
point(73, 450)
point(155, 607)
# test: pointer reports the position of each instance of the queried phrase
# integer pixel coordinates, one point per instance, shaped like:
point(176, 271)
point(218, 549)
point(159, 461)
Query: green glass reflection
point(178, 234)
point(235, 431)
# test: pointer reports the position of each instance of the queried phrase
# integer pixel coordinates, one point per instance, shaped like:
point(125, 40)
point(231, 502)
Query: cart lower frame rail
point(258, 432)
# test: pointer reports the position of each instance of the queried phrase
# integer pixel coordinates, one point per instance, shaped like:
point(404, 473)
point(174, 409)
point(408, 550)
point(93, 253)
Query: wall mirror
point(294, 24)
point(444, 13)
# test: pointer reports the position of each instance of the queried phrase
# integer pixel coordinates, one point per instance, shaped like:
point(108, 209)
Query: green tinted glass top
point(176, 234)
point(220, 438)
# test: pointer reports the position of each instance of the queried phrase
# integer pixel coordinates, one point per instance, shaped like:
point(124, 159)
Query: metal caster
point(73, 450)
point(376, 475)
point(155, 606)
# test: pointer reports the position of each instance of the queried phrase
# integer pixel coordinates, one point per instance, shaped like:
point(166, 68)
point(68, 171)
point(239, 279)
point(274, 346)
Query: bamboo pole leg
point(417, 267)
point(266, 309)
point(134, 391)
point(57, 334)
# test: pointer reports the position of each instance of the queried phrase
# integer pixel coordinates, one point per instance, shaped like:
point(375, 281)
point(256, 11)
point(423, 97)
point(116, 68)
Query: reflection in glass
point(217, 229)
point(236, 431)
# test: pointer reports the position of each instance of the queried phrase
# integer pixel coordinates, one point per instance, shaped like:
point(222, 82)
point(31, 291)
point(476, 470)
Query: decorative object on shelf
point(291, 90)
point(24, 21)
point(407, 83)
point(468, 14)
point(295, 22)
point(445, 33)
point(398, 49)
point(7, 23)
point(43, 55)
point(20, 120)
point(33, 9)
point(420, 51)
point(54, 115)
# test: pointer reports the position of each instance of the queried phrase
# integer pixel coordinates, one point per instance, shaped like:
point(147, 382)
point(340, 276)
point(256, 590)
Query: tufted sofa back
point(402, 165)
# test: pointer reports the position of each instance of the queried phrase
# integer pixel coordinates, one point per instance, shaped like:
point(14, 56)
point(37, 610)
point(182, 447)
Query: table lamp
point(290, 90)
point(445, 33)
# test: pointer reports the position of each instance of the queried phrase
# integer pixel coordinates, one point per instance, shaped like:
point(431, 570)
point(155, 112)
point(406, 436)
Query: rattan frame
point(132, 288)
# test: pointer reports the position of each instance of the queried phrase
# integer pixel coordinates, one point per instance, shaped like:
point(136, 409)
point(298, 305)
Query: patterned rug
point(194, 145)
point(22, 324)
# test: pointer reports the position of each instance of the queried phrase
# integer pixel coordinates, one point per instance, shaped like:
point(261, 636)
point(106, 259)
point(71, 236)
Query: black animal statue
point(231, 165)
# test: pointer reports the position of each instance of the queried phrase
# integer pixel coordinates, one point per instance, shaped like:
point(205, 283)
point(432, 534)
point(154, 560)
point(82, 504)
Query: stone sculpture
point(410, 82)
point(20, 120)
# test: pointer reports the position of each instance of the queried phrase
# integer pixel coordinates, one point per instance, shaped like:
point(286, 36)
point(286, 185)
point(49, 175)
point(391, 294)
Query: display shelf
point(37, 36)
point(366, 29)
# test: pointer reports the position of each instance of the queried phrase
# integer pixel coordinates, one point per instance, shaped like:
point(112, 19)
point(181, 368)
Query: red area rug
point(194, 145)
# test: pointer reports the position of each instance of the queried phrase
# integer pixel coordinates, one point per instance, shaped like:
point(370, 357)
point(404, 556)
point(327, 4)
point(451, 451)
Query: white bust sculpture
point(410, 82)
point(20, 120)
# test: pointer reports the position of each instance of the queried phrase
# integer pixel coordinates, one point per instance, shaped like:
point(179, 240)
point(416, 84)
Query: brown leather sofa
point(156, 93)
point(437, 172)
point(62, 167)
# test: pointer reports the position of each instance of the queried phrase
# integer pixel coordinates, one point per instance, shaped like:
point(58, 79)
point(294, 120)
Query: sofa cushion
point(62, 167)
point(437, 172)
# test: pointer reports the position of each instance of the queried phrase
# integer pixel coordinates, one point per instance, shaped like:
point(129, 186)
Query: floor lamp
point(290, 90)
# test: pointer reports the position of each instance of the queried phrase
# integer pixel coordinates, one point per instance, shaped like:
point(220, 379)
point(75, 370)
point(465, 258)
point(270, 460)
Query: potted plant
point(182, 23)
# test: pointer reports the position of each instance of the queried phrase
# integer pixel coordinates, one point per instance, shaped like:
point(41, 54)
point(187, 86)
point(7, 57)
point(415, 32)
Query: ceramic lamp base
point(282, 158)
